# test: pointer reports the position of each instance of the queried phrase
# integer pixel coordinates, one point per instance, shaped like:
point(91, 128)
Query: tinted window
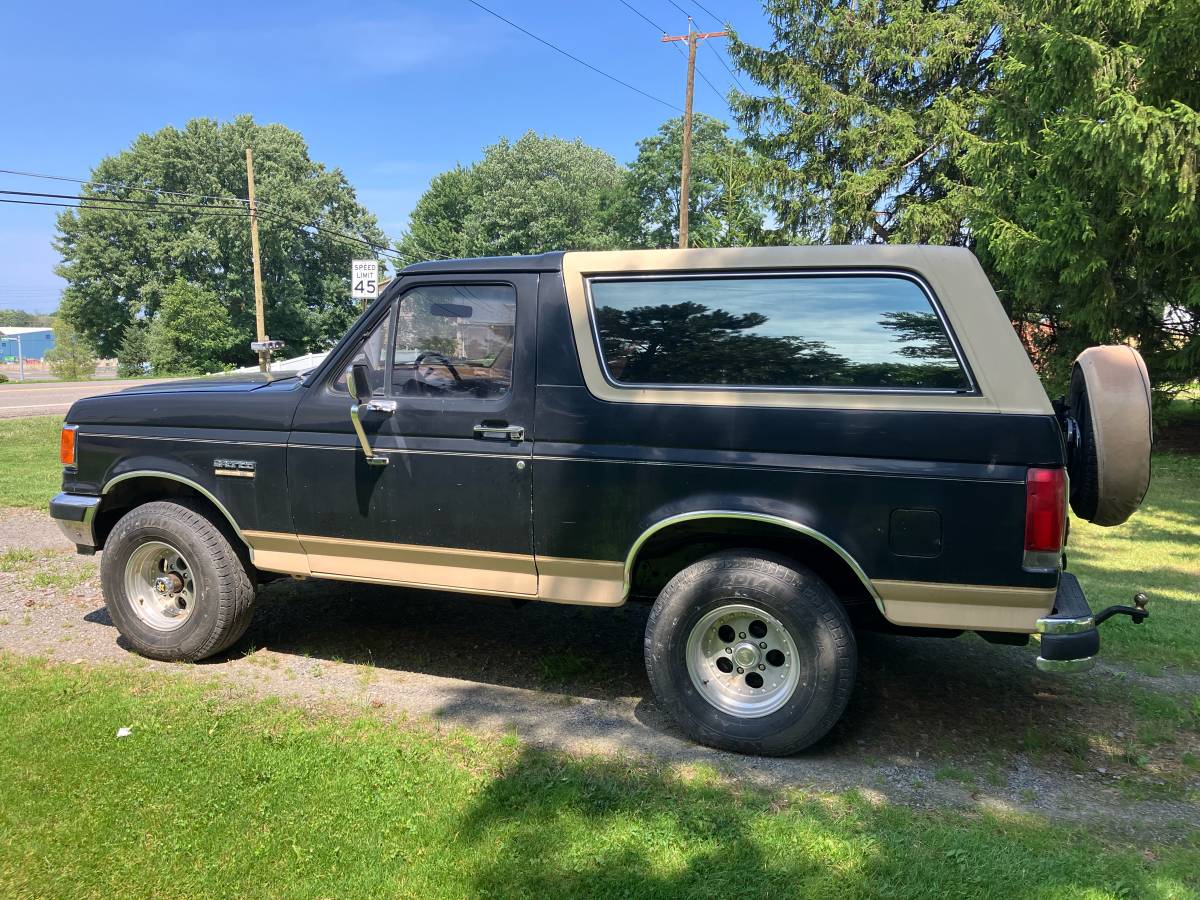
point(870, 331)
point(455, 340)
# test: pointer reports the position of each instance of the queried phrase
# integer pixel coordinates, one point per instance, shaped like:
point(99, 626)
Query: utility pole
point(259, 316)
point(685, 173)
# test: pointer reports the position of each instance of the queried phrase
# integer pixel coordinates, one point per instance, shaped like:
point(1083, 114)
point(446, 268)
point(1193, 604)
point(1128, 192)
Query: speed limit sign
point(364, 279)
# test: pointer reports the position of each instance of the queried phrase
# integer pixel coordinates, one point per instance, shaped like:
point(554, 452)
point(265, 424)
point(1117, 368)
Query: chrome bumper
point(75, 514)
point(1070, 640)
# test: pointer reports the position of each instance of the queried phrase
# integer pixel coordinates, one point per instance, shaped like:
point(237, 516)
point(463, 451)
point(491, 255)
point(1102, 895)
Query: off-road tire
point(815, 620)
point(224, 590)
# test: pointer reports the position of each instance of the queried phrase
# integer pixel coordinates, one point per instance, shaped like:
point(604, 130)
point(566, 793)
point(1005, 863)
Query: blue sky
point(443, 79)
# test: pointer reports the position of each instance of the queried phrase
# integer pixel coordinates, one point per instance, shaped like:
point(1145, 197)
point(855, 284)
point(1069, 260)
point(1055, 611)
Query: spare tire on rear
point(1109, 449)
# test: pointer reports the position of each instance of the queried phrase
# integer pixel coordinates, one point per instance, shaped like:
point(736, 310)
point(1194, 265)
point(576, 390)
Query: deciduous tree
point(726, 208)
point(529, 196)
point(192, 333)
point(119, 262)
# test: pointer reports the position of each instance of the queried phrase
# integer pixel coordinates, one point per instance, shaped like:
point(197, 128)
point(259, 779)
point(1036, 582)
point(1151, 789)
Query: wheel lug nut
point(728, 649)
point(763, 644)
point(761, 667)
point(740, 670)
point(742, 635)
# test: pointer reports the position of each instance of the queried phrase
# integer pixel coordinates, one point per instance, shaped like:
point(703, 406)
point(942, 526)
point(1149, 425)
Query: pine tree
point(867, 108)
point(71, 358)
point(1087, 178)
point(133, 355)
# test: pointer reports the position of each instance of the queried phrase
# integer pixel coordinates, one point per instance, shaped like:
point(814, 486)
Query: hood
point(230, 382)
point(234, 401)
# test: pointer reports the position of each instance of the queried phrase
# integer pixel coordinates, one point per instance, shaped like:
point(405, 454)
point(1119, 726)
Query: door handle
point(500, 432)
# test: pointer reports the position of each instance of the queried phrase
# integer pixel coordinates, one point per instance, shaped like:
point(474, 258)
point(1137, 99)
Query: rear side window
point(814, 331)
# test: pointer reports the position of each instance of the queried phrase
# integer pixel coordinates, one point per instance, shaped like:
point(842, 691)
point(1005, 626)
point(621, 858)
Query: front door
point(451, 508)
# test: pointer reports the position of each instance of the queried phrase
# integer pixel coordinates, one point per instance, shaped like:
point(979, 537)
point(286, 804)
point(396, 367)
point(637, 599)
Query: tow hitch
point(1137, 612)
point(1070, 636)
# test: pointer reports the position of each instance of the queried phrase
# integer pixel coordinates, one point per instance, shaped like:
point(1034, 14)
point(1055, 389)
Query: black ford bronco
point(775, 446)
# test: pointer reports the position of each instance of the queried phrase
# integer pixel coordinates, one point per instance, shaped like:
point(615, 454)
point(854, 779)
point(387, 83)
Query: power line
point(334, 234)
point(87, 202)
point(142, 203)
point(201, 210)
point(711, 14)
point(658, 28)
point(638, 12)
point(680, 8)
point(126, 187)
point(575, 58)
point(720, 22)
point(715, 89)
point(209, 211)
point(721, 60)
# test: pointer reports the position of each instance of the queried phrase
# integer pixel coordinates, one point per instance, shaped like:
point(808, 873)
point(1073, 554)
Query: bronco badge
point(234, 468)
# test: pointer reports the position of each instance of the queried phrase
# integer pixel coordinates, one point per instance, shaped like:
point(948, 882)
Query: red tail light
point(1045, 516)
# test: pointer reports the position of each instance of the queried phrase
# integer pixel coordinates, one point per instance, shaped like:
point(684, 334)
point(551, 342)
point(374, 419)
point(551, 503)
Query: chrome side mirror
point(358, 383)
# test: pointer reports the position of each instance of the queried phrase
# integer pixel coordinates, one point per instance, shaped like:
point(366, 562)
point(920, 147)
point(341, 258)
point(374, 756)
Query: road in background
point(21, 400)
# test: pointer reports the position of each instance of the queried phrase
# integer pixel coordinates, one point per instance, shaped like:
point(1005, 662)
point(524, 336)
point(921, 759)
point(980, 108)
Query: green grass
point(29, 471)
point(218, 795)
point(1157, 551)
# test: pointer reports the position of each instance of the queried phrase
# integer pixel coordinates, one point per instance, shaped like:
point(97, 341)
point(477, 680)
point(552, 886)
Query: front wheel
point(175, 587)
point(751, 653)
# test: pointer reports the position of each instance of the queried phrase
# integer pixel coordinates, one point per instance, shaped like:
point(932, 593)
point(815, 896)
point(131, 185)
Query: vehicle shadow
point(912, 694)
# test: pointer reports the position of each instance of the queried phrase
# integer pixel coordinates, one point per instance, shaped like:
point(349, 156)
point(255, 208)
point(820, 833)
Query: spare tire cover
point(1109, 465)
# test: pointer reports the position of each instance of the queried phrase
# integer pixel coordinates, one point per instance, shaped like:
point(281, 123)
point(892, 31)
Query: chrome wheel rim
point(160, 586)
point(742, 660)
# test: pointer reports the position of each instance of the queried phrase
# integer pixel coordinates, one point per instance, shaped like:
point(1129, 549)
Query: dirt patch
point(31, 530)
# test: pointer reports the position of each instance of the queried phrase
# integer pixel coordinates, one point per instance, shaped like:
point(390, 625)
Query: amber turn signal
point(66, 445)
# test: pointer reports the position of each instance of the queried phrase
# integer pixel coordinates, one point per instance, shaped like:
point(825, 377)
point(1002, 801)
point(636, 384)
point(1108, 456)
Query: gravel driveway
point(932, 722)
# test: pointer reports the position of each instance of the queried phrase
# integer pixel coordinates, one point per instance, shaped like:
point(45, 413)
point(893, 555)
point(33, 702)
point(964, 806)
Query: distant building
point(32, 342)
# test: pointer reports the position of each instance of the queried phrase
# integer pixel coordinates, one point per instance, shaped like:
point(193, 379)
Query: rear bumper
point(1070, 639)
point(75, 514)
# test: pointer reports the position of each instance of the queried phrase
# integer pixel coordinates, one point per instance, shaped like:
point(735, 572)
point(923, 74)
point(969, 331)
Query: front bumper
point(75, 515)
point(1070, 640)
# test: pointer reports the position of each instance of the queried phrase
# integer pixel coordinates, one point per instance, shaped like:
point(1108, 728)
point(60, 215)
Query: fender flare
point(170, 476)
point(764, 518)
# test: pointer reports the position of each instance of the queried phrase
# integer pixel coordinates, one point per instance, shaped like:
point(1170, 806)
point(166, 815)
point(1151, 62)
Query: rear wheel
point(175, 586)
point(751, 653)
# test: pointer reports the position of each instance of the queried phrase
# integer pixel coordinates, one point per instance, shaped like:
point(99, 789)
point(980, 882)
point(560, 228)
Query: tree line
point(1057, 140)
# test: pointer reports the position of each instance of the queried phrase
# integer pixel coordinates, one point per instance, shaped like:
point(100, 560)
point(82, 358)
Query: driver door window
point(372, 354)
point(455, 341)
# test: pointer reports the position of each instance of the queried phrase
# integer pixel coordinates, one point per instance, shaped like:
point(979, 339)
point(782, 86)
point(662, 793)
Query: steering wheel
point(439, 358)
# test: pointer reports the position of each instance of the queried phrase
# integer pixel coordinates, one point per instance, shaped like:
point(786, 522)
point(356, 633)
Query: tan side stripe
point(969, 606)
point(276, 551)
point(554, 579)
point(588, 582)
point(444, 567)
